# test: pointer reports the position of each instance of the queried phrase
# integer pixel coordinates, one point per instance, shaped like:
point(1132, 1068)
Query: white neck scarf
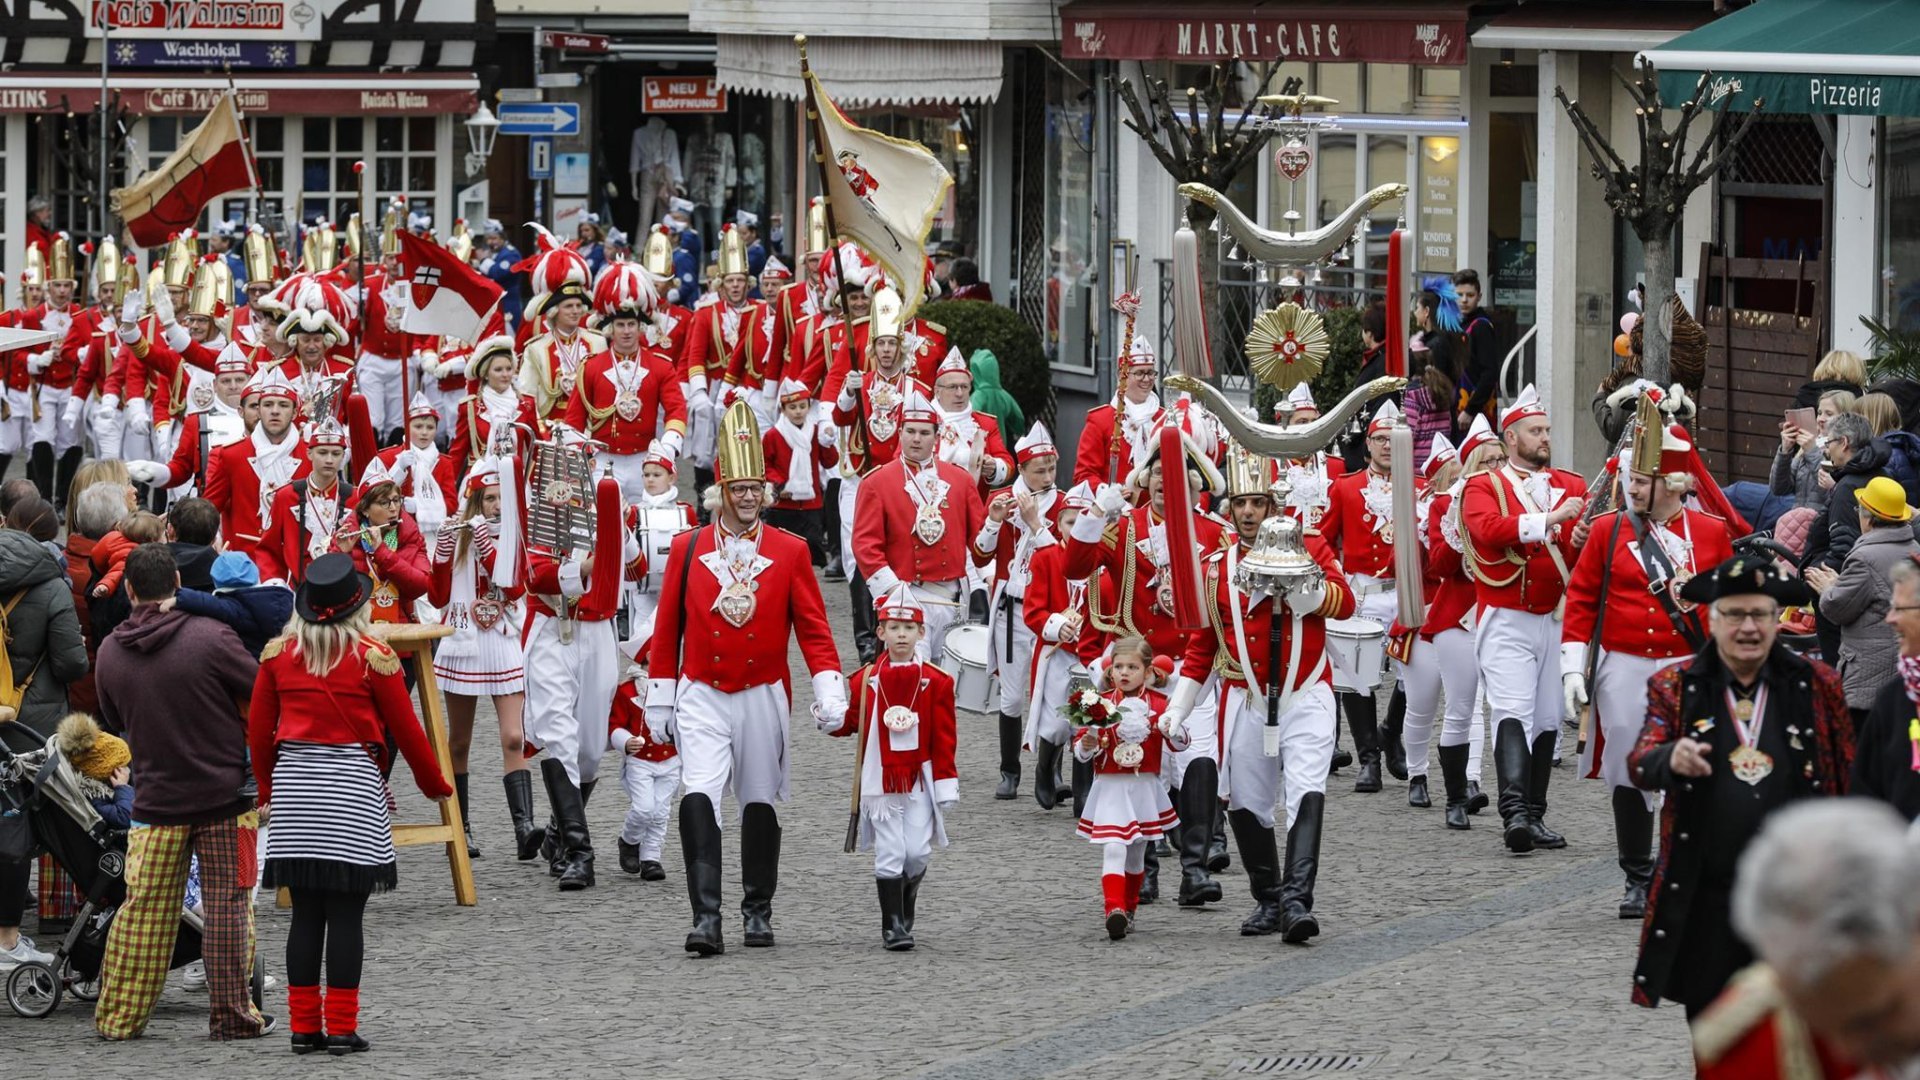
point(273, 465)
point(429, 502)
point(800, 469)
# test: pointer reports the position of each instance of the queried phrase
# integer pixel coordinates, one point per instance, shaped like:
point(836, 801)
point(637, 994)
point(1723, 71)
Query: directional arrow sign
point(539, 118)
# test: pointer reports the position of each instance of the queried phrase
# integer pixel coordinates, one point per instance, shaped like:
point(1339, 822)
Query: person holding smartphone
point(1797, 463)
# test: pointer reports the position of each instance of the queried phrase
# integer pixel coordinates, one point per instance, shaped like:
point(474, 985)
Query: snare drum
point(967, 651)
point(1357, 649)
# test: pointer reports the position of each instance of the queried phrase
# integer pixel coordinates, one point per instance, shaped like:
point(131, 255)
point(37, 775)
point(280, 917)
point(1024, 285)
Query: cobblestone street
point(1441, 956)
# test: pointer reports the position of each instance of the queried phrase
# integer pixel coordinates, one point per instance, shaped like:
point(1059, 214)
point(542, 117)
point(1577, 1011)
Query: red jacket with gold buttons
point(883, 526)
point(1218, 642)
point(1450, 595)
point(1354, 530)
point(629, 720)
point(1510, 572)
point(692, 640)
point(593, 407)
point(1129, 598)
point(1636, 623)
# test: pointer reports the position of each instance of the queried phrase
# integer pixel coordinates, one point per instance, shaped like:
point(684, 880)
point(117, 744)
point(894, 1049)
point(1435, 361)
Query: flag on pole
point(210, 162)
point(884, 192)
point(443, 295)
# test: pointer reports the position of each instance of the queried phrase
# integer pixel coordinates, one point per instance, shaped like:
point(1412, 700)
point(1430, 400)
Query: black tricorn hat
point(334, 589)
point(1746, 575)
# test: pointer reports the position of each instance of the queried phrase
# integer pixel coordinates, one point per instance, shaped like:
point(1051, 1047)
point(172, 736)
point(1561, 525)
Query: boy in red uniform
point(649, 769)
point(797, 447)
point(902, 709)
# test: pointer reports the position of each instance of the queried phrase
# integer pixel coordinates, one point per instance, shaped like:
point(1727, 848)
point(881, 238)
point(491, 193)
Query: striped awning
point(860, 71)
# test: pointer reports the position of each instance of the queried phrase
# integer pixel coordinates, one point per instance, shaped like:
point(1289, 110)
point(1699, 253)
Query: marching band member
point(1031, 506)
point(1275, 718)
point(427, 478)
point(1309, 488)
point(902, 709)
point(491, 418)
point(59, 420)
point(869, 408)
point(182, 363)
point(1359, 526)
point(799, 446)
point(247, 474)
point(649, 770)
point(1523, 528)
point(482, 600)
point(916, 522)
point(1120, 434)
point(667, 516)
point(316, 328)
point(210, 423)
point(969, 439)
point(1127, 807)
point(443, 373)
point(1637, 627)
point(309, 516)
point(551, 362)
point(16, 414)
point(1056, 611)
point(733, 594)
point(1453, 619)
point(385, 348)
point(629, 392)
point(1420, 662)
point(739, 335)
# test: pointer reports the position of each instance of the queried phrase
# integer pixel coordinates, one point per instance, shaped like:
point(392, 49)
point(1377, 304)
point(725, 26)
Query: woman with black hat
point(328, 702)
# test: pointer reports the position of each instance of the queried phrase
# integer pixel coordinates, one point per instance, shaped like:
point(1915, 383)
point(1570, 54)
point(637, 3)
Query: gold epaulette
point(934, 326)
point(1751, 999)
point(1112, 533)
point(273, 648)
point(382, 659)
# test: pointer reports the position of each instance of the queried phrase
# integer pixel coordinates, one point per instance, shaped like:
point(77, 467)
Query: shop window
point(948, 132)
point(1900, 217)
point(1072, 273)
point(1334, 167)
point(1438, 197)
point(1386, 164)
point(403, 162)
point(1440, 82)
point(1389, 89)
point(1340, 82)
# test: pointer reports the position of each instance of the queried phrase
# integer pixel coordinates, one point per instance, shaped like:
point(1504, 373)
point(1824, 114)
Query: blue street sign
point(539, 118)
point(540, 158)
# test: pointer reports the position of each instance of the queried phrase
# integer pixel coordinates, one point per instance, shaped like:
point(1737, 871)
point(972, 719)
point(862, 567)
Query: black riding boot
point(866, 639)
point(910, 895)
point(1453, 773)
point(40, 469)
point(1010, 729)
point(1633, 832)
point(759, 871)
point(1260, 854)
point(1046, 773)
point(527, 836)
point(1199, 800)
point(576, 870)
point(1150, 877)
point(1363, 721)
point(466, 813)
point(700, 847)
point(63, 477)
point(1391, 742)
point(1513, 768)
point(893, 914)
point(1544, 746)
point(1303, 866)
point(1217, 858)
point(1082, 783)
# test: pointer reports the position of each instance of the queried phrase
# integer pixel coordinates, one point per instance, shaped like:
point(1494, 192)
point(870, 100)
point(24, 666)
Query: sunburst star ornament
point(1287, 346)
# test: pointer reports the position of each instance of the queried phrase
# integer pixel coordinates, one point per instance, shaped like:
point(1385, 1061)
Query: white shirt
point(654, 145)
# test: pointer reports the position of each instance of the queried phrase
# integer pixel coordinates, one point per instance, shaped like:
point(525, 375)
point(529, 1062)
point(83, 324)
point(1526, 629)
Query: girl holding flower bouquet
point(1121, 735)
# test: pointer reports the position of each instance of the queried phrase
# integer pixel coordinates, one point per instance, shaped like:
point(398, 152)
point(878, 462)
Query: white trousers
point(570, 692)
point(901, 828)
point(732, 742)
point(1014, 666)
point(1519, 658)
point(1044, 720)
point(1465, 721)
point(1202, 727)
point(626, 469)
point(650, 786)
point(849, 491)
point(16, 431)
point(445, 402)
point(1619, 713)
point(52, 426)
point(1251, 779)
point(378, 377)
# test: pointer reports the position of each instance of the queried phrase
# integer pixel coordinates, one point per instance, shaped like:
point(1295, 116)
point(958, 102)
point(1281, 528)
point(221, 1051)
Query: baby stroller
point(44, 788)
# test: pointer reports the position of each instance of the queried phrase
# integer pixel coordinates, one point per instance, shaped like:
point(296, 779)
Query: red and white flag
point(210, 162)
point(443, 294)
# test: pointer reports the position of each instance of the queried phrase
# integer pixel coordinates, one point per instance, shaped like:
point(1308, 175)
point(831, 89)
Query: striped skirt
point(329, 827)
point(497, 666)
point(1124, 807)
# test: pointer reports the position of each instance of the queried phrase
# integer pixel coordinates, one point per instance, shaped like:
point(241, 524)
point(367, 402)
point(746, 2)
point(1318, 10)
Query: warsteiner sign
point(280, 20)
point(1094, 31)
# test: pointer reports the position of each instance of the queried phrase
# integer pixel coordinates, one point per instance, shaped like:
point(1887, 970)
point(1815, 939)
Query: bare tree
point(1651, 193)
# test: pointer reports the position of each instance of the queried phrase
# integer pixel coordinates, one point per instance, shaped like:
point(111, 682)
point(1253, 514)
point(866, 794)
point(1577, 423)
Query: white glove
point(697, 402)
point(40, 361)
point(163, 308)
point(829, 701)
point(1179, 704)
point(128, 332)
point(404, 460)
point(854, 382)
point(946, 807)
point(110, 402)
point(130, 307)
point(825, 434)
point(1573, 688)
point(1169, 726)
point(410, 505)
point(671, 442)
point(147, 472)
point(70, 416)
point(1307, 599)
point(660, 723)
point(1111, 499)
point(139, 413)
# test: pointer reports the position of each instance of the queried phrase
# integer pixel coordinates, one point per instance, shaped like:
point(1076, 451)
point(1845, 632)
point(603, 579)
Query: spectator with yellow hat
point(1857, 598)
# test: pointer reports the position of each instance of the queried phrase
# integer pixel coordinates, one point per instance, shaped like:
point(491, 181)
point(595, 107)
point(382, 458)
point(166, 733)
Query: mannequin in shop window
point(709, 171)
point(653, 167)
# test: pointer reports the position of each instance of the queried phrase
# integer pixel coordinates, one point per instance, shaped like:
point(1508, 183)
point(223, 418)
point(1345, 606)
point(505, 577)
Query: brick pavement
point(1441, 955)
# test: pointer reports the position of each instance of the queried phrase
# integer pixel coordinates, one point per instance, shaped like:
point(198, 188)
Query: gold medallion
point(1750, 765)
point(1129, 755)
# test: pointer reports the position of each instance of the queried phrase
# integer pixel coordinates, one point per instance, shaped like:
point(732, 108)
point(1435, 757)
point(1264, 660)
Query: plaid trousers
point(141, 940)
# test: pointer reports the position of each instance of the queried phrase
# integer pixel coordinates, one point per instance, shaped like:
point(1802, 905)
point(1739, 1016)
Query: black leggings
point(324, 918)
point(13, 891)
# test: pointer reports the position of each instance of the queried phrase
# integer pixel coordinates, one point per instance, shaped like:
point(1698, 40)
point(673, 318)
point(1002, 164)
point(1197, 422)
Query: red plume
point(361, 441)
point(603, 591)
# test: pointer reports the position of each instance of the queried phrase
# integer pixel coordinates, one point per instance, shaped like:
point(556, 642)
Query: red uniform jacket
point(472, 431)
point(1155, 745)
point(925, 344)
point(810, 347)
point(780, 464)
point(186, 462)
point(1352, 527)
point(593, 406)
point(1450, 591)
point(1636, 623)
point(752, 358)
point(402, 566)
point(14, 361)
point(1218, 643)
point(234, 487)
point(928, 691)
point(1008, 541)
point(1132, 606)
point(440, 579)
point(446, 473)
point(84, 336)
point(679, 324)
point(363, 701)
point(1513, 573)
point(375, 338)
point(883, 527)
point(866, 451)
point(283, 550)
point(692, 640)
point(995, 450)
point(1050, 596)
point(844, 344)
point(628, 720)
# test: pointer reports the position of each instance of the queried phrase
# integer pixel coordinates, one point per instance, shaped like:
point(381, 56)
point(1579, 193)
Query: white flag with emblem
point(885, 192)
point(442, 294)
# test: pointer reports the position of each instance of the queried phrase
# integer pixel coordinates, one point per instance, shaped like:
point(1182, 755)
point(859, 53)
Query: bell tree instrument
point(1275, 441)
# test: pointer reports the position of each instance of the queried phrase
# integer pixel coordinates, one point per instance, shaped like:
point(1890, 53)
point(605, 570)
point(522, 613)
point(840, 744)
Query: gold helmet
point(60, 260)
point(817, 239)
point(356, 239)
point(129, 284)
point(262, 261)
point(739, 456)
point(183, 254)
point(321, 249)
point(733, 253)
point(461, 242)
point(390, 224)
point(106, 271)
point(219, 278)
point(207, 297)
point(156, 281)
point(35, 274)
point(657, 256)
point(1248, 473)
point(886, 318)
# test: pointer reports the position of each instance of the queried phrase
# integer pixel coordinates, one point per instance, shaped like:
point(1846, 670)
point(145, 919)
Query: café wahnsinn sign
point(1330, 34)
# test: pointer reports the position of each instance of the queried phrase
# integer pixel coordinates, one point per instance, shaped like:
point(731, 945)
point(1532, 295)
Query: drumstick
point(859, 766)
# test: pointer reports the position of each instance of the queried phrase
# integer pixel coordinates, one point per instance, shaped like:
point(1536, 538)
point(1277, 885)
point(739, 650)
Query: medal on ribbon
point(1129, 755)
point(628, 406)
point(899, 718)
point(928, 524)
point(1749, 763)
point(736, 603)
point(487, 613)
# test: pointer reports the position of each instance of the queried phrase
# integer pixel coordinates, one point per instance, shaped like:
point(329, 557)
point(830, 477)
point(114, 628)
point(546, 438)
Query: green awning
point(1802, 56)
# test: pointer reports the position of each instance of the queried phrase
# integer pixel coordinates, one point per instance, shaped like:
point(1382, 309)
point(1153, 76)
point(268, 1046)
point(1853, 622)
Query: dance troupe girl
point(1120, 734)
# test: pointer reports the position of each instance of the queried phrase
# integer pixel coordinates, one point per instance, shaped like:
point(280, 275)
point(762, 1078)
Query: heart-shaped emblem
point(1293, 160)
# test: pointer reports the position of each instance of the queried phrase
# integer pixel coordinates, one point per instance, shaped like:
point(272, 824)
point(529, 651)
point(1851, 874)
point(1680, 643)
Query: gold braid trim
point(1471, 555)
point(273, 648)
point(1224, 664)
point(381, 658)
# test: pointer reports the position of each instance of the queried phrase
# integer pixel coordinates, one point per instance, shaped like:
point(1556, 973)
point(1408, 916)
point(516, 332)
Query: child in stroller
point(49, 789)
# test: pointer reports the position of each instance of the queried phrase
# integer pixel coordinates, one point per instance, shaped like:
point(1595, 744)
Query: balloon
point(1622, 345)
point(1628, 320)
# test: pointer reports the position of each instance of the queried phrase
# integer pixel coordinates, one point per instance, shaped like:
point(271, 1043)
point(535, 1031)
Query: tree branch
point(1697, 175)
point(1141, 126)
point(1618, 179)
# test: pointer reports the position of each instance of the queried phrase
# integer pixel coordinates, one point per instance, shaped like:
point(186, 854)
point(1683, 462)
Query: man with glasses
point(1116, 436)
point(1733, 734)
point(1642, 556)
